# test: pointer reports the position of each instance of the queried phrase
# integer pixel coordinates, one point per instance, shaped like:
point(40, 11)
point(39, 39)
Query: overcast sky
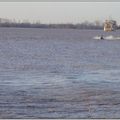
point(60, 12)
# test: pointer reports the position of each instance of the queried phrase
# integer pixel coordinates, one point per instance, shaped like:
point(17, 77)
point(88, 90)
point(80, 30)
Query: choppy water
point(58, 73)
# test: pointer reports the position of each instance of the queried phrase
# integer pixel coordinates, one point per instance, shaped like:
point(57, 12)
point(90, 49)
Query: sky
point(60, 12)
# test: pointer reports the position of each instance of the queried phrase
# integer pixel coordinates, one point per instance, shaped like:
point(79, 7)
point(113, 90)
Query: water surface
point(58, 73)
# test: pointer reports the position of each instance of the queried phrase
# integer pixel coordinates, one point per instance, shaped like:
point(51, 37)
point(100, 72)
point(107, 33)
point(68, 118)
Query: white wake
point(110, 37)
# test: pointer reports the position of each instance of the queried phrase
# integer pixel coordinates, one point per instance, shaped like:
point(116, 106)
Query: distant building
point(110, 25)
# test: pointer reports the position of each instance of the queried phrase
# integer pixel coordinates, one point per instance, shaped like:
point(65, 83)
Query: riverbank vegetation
point(38, 24)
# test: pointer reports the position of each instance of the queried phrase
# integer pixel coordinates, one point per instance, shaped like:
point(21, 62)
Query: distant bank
point(39, 25)
point(97, 25)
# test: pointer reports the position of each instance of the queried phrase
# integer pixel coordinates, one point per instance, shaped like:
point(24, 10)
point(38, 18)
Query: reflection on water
point(56, 75)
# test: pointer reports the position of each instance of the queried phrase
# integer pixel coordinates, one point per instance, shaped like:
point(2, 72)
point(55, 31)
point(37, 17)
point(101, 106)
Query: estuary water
point(59, 73)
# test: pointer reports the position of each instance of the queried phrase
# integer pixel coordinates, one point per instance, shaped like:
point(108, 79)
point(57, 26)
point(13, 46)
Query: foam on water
point(109, 37)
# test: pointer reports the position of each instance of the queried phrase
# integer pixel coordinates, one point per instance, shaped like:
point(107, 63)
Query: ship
point(110, 25)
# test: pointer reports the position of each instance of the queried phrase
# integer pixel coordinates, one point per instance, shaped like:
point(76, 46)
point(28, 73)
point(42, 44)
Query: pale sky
point(60, 12)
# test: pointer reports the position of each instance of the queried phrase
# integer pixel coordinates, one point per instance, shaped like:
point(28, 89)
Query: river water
point(58, 73)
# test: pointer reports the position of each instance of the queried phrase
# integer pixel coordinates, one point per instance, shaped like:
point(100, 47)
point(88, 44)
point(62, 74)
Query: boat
point(101, 37)
point(110, 25)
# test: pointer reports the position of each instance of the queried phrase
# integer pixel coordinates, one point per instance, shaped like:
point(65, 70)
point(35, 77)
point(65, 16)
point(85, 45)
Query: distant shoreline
point(49, 26)
point(83, 26)
point(52, 27)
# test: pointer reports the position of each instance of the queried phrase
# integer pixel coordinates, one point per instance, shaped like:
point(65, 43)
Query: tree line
point(27, 24)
